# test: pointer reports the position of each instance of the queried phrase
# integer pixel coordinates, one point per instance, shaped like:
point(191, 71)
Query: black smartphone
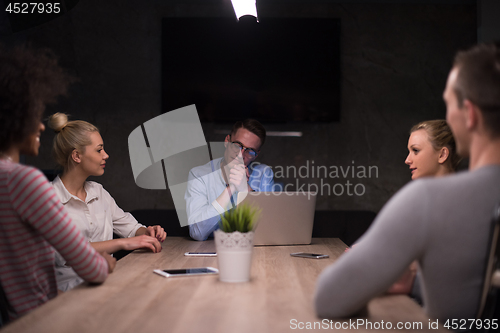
point(309, 255)
point(200, 254)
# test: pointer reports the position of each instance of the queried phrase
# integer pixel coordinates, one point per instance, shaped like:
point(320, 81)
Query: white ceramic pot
point(234, 255)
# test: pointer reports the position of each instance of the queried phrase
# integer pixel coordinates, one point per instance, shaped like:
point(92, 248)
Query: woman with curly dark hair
point(33, 222)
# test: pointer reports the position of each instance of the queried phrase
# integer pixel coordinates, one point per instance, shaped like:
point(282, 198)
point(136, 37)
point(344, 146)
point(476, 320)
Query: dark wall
point(394, 61)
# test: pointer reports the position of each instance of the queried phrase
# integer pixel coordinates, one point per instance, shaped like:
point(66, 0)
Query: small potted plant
point(234, 243)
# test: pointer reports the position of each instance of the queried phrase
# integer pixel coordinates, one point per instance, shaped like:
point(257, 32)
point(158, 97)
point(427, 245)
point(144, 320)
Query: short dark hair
point(253, 126)
point(29, 80)
point(478, 81)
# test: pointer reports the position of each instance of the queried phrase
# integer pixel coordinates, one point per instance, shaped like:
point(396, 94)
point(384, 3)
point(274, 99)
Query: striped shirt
point(32, 223)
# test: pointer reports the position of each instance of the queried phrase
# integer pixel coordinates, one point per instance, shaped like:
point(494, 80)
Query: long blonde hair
point(70, 135)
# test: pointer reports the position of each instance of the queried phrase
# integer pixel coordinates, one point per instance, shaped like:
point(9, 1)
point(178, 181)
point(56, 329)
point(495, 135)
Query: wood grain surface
point(278, 298)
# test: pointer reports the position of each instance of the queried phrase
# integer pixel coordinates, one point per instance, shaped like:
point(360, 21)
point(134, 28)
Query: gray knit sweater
point(444, 223)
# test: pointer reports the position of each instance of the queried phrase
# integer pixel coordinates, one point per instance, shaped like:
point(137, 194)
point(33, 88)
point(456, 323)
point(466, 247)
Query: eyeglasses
point(250, 152)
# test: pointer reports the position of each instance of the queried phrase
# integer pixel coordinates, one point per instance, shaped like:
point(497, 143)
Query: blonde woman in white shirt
point(78, 148)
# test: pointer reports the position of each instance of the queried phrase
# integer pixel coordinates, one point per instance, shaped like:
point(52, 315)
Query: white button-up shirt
point(97, 218)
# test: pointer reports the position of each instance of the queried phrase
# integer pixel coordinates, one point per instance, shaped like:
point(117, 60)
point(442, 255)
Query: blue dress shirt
point(205, 184)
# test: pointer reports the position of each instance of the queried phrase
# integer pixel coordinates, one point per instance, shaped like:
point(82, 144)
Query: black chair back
point(489, 305)
point(166, 218)
point(344, 224)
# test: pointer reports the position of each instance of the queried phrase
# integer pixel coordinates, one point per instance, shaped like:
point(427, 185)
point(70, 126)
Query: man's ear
point(226, 140)
point(75, 156)
point(471, 114)
point(443, 155)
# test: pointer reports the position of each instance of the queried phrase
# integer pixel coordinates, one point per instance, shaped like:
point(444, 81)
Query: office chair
point(489, 306)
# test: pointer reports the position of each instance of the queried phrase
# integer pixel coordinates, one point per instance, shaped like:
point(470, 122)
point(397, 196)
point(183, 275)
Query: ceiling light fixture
point(245, 7)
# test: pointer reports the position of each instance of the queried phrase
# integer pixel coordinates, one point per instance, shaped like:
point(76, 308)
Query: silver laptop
point(286, 217)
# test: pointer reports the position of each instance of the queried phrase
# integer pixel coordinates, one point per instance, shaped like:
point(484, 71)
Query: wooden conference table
point(278, 298)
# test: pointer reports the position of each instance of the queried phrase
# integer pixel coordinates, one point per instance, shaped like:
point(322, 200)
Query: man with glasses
point(213, 187)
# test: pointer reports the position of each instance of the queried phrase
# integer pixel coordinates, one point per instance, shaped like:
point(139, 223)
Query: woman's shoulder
point(24, 173)
point(11, 166)
point(19, 178)
point(94, 186)
point(96, 189)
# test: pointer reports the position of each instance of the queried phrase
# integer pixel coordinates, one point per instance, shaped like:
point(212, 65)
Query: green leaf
point(242, 218)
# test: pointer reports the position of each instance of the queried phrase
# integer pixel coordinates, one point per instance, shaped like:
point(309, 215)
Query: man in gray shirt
point(442, 223)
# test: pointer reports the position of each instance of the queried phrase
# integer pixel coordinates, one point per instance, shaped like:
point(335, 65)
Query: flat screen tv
point(276, 70)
